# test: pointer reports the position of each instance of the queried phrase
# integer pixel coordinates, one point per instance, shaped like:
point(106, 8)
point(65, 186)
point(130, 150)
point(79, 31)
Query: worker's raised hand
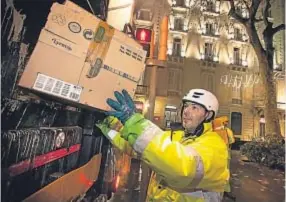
point(124, 106)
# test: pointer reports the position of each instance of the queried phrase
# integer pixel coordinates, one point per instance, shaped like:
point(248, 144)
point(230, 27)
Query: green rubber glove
point(134, 127)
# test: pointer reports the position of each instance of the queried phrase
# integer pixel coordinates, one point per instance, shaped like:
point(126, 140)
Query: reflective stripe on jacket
point(187, 169)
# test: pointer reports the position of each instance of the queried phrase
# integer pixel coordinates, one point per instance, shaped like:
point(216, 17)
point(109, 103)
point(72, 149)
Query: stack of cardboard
point(81, 59)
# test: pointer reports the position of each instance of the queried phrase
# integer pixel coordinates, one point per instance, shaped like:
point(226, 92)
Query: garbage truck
point(56, 73)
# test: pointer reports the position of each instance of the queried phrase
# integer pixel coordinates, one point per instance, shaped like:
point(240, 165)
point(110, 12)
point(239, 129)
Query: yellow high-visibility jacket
point(186, 168)
point(230, 135)
point(227, 135)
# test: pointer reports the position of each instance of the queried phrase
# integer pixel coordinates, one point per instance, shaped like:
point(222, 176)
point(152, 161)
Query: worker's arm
point(180, 166)
point(116, 140)
point(111, 128)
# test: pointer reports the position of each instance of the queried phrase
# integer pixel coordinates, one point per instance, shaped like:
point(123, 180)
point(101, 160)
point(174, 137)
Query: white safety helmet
point(204, 98)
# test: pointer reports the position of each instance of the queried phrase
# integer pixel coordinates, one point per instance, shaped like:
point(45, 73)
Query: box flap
point(76, 27)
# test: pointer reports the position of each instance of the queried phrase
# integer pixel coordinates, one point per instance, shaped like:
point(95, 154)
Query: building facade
point(208, 49)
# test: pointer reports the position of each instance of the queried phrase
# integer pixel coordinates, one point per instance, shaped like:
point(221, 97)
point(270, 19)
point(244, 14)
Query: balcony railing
point(209, 58)
point(141, 90)
point(179, 5)
point(260, 103)
point(238, 37)
point(175, 59)
point(211, 9)
point(206, 30)
point(239, 62)
point(179, 29)
point(236, 101)
point(210, 33)
point(173, 93)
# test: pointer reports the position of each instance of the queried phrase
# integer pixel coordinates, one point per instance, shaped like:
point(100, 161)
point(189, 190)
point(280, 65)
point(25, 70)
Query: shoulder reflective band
point(199, 166)
point(111, 134)
point(206, 195)
point(151, 130)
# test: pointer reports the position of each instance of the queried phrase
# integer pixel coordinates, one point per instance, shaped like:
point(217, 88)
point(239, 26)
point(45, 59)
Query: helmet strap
point(209, 117)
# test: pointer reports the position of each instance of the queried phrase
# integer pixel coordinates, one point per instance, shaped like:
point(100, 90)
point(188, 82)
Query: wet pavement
point(255, 183)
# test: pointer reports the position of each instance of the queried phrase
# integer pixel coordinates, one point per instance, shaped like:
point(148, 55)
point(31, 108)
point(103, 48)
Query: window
point(236, 123)
point(238, 10)
point(208, 51)
point(237, 92)
point(262, 126)
point(179, 24)
point(170, 115)
point(174, 79)
point(236, 56)
point(180, 3)
point(237, 34)
point(210, 6)
point(177, 47)
point(144, 15)
point(209, 29)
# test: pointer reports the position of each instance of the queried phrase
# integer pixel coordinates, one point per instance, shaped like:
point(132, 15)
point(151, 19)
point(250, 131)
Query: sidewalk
point(255, 183)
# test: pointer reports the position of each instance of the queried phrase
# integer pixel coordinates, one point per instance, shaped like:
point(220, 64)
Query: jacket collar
point(208, 127)
point(201, 129)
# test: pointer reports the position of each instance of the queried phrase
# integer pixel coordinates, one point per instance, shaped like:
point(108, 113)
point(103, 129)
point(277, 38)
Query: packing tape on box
point(98, 48)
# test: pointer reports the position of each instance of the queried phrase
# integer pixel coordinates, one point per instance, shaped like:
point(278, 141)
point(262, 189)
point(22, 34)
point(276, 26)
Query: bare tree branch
point(278, 28)
point(266, 12)
point(253, 9)
point(233, 14)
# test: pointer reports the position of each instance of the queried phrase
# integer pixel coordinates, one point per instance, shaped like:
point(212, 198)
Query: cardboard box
point(81, 59)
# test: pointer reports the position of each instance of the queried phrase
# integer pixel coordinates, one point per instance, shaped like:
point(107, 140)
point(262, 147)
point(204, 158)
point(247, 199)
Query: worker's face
point(193, 115)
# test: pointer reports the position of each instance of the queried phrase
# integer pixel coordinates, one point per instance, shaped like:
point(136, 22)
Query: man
point(220, 126)
point(192, 167)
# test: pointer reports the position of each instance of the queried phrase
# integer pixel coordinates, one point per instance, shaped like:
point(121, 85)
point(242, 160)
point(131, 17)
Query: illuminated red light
point(143, 35)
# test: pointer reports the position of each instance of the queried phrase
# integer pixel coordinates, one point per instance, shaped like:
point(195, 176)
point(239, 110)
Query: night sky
point(36, 12)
